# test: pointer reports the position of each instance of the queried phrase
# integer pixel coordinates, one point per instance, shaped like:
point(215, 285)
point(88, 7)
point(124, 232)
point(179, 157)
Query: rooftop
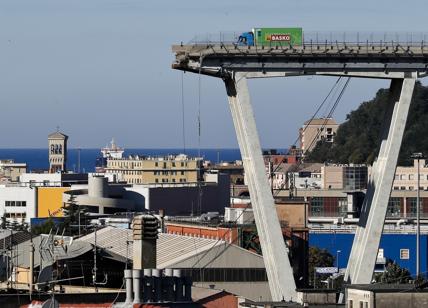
point(321, 121)
point(171, 248)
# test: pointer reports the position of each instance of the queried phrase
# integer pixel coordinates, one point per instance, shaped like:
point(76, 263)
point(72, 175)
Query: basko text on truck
point(271, 37)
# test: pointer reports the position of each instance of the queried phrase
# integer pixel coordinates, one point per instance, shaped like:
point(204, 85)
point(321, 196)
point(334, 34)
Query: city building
point(397, 244)
point(213, 264)
point(239, 228)
point(146, 169)
point(315, 130)
point(102, 197)
point(57, 142)
point(10, 170)
point(18, 203)
point(406, 178)
point(346, 177)
point(235, 170)
point(210, 195)
point(385, 296)
point(53, 179)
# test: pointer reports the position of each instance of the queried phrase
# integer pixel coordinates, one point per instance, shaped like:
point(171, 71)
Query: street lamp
point(418, 157)
point(337, 259)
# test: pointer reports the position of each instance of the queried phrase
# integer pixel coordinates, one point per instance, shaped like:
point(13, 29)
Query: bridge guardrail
point(392, 39)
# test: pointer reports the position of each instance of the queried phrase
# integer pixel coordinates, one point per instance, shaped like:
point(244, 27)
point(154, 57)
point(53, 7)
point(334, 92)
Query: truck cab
point(246, 39)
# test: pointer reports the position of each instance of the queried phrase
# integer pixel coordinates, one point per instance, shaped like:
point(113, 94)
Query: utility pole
point(418, 156)
point(31, 278)
point(94, 269)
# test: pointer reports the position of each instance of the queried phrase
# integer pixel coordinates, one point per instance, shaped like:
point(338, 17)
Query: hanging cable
point(199, 138)
point(311, 119)
point(183, 113)
point(319, 108)
point(221, 251)
point(333, 108)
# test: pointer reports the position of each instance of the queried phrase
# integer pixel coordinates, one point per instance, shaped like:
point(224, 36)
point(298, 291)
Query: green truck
point(271, 37)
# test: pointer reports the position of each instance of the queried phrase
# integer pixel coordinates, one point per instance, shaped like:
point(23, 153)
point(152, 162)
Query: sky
point(102, 68)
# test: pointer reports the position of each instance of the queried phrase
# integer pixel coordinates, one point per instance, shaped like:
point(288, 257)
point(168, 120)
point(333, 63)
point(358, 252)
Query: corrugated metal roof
point(171, 248)
point(45, 252)
point(9, 238)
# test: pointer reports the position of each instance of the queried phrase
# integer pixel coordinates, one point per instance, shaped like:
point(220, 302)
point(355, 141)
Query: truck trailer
point(271, 37)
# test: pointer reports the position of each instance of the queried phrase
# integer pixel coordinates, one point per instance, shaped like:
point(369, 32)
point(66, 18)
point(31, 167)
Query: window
point(351, 303)
point(394, 207)
point(411, 176)
point(156, 180)
point(173, 164)
point(182, 172)
point(404, 254)
point(156, 164)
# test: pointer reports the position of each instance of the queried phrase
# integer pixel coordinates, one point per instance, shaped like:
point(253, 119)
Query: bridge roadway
point(402, 64)
point(302, 60)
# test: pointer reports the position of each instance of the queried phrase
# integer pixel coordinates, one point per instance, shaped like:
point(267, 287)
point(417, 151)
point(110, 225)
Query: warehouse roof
point(48, 248)
point(172, 249)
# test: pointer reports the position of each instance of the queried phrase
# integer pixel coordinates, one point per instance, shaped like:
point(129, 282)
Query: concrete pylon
point(275, 253)
point(367, 237)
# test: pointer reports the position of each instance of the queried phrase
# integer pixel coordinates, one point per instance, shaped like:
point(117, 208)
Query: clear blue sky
point(101, 68)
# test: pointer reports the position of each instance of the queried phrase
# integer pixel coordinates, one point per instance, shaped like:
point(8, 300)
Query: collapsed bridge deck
point(308, 59)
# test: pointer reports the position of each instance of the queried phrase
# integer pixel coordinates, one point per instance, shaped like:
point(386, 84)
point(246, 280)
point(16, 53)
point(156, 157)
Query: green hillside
point(357, 139)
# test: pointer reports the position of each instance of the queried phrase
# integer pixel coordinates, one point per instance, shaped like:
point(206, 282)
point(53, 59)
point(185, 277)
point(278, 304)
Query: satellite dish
point(50, 303)
point(45, 276)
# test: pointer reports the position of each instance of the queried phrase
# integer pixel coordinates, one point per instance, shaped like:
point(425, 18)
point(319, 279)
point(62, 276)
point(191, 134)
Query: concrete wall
point(255, 291)
point(295, 214)
point(355, 297)
point(332, 177)
point(11, 193)
point(401, 299)
point(183, 200)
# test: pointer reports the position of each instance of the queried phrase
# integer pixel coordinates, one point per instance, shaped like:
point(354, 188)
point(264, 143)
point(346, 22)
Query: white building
point(18, 203)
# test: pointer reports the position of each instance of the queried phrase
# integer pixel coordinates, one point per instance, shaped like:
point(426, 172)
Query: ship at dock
point(112, 151)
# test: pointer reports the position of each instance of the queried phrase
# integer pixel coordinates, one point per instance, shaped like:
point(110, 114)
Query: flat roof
point(387, 288)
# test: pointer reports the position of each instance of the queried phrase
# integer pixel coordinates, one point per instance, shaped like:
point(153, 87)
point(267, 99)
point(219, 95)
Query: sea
point(37, 159)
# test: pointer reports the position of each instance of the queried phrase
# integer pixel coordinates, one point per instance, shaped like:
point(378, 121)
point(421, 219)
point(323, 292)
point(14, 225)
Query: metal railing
point(354, 38)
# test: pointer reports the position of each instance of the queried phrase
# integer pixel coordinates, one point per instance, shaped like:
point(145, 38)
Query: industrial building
point(210, 263)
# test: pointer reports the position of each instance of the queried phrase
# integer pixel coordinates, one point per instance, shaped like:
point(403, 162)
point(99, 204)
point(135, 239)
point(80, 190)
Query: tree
point(319, 258)
point(394, 274)
point(44, 228)
point(358, 138)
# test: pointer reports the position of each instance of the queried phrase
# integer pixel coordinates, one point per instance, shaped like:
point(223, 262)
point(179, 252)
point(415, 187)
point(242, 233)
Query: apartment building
point(315, 130)
point(11, 170)
point(147, 169)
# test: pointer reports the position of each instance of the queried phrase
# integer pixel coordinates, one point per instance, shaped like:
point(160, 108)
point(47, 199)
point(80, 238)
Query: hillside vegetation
point(358, 138)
